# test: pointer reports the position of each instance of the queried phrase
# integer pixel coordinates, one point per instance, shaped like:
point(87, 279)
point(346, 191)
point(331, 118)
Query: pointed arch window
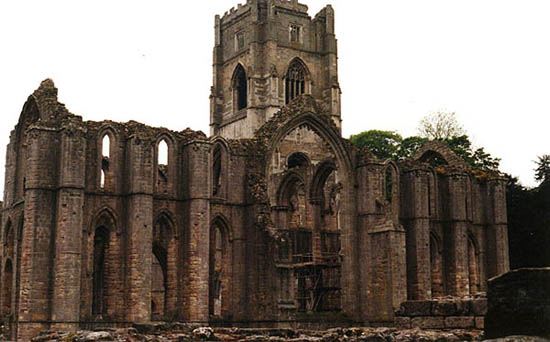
point(295, 81)
point(105, 160)
point(240, 88)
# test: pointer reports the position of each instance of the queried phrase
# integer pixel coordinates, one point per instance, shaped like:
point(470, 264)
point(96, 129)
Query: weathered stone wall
point(278, 228)
point(519, 303)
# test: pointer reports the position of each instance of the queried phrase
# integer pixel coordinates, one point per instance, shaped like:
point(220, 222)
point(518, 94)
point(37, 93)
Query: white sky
point(151, 61)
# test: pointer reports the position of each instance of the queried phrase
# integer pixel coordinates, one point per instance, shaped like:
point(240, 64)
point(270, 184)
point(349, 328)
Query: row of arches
point(439, 272)
point(308, 215)
point(167, 265)
point(297, 81)
point(107, 157)
point(11, 257)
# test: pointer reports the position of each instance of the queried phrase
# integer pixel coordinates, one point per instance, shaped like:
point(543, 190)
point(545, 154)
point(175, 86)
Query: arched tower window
point(240, 88)
point(295, 83)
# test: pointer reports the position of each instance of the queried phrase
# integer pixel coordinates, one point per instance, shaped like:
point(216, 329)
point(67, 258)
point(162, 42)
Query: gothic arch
point(220, 268)
point(325, 129)
point(165, 170)
point(474, 278)
point(436, 149)
point(298, 159)
point(106, 163)
point(437, 273)
point(7, 287)
point(29, 115)
point(220, 164)
point(320, 176)
point(239, 84)
point(288, 181)
point(106, 255)
point(164, 269)
point(297, 79)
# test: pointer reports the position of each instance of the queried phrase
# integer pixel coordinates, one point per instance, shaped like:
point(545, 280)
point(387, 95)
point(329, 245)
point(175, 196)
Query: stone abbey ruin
point(274, 220)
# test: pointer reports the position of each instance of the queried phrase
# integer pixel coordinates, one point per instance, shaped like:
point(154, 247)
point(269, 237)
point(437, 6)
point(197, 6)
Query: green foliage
point(542, 172)
point(477, 158)
point(388, 144)
point(409, 146)
point(384, 144)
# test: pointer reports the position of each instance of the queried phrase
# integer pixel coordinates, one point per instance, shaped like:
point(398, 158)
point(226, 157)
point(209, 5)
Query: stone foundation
point(445, 313)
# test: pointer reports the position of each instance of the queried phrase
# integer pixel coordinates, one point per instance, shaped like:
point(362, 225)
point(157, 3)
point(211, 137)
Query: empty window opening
point(240, 85)
point(295, 32)
point(105, 155)
point(99, 292)
point(162, 153)
point(473, 267)
point(106, 146)
point(7, 288)
point(436, 268)
point(429, 185)
point(216, 272)
point(297, 160)
point(295, 81)
point(389, 185)
point(158, 282)
point(217, 168)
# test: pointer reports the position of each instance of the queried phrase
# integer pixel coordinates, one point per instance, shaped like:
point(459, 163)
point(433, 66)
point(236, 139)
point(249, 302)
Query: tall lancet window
point(295, 81)
point(240, 88)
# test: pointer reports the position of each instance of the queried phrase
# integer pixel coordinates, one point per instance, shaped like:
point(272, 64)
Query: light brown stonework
point(270, 221)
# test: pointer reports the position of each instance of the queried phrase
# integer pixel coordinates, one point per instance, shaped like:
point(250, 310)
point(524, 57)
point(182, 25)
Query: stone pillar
point(382, 259)
point(415, 216)
point(37, 253)
point(197, 185)
point(140, 227)
point(455, 236)
point(70, 201)
point(498, 261)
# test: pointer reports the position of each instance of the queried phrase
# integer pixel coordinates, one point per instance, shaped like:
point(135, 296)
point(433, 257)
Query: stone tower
point(266, 53)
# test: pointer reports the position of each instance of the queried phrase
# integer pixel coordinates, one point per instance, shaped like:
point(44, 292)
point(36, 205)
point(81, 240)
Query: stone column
point(498, 261)
point(70, 201)
point(139, 227)
point(455, 236)
point(198, 187)
point(36, 249)
point(415, 216)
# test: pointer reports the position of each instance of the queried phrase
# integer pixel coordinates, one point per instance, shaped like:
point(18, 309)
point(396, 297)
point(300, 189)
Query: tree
point(409, 146)
point(440, 125)
point(542, 172)
point(383, 144)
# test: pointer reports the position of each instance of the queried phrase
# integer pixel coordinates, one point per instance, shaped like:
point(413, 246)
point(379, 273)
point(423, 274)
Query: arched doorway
point(220, 270)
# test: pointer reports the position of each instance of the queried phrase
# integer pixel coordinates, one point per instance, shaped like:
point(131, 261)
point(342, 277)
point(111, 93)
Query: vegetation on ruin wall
point(528, 208)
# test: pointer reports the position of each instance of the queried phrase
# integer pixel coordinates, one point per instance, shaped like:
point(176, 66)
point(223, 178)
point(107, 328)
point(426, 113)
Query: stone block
point(403, 322)
point(428, 322)
point(460, 322)
point(479, 307)
point(415, 308)
point(444, 308)
point(480, 323)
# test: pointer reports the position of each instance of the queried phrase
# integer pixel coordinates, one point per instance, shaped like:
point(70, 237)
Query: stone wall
point(519, 303)
point(444, 313)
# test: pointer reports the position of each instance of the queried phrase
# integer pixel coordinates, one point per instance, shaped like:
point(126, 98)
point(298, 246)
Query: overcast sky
point(151, 61)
